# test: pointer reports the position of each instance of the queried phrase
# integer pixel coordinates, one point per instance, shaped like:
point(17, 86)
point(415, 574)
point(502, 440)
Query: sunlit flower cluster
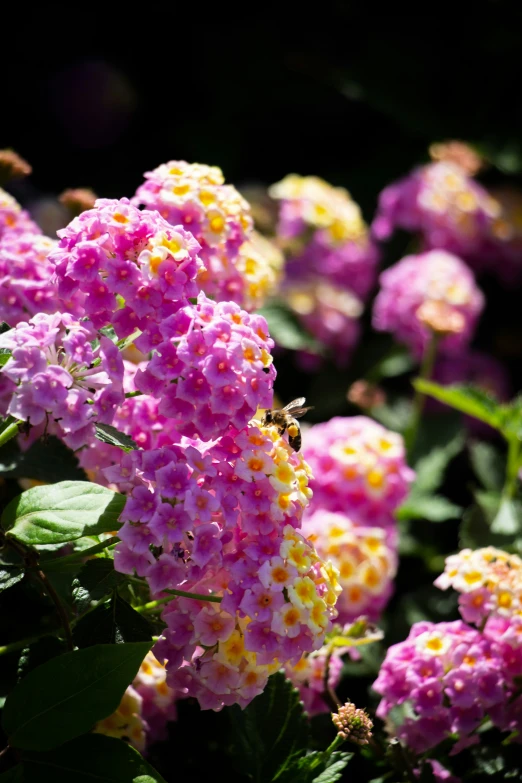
point(131, 267)
point(212, 367)
point(447, 677)
point(502, 251)
point(260, 264)
point(146, 707)
point(489, 582)
point(365, 557)
point(56, 379)
point(223, 518)
point(359, 469)
point(14, 219)
point(194, 196)
point(437, 281)
point(328, 236)
point(443, 204)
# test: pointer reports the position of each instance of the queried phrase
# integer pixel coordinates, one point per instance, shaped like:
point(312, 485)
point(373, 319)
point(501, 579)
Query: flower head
point(352, 724)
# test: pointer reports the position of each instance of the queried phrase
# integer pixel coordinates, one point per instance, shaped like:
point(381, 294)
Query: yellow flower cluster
point(260, 263)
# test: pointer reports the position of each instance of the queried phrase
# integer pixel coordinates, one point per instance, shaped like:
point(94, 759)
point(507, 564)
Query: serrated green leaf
point(286, 329)
point(12, 568)
point(466, 399)
point(62, 512)
point(316, 767)
point(489, 465)
point(271, 732)
point(109, 434)
point(90, 759)
point(64, 697)
point(334, 768)
point(96, 579)
point(113, 622)
point(435, 508)
point(47, 459)
point(39, 652)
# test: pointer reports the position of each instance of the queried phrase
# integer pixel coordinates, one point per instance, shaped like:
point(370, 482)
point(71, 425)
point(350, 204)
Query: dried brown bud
point(366, 395)
point(459, 153)
point(352, 724)
point(441, 317)
point(12, 166)
point(78, 199)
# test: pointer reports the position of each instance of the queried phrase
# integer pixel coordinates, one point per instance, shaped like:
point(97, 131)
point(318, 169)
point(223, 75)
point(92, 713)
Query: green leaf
point(440, 439)
point(39, 652)
point(334, 768)
point(64, 697)
point(474, 531)
point(489, 465)
point(109, 434)
point(271, 732)
point(113, 622)
point(62, 512)
point(286, 329)
point(48, 459)
point(12, 568)
point(397, 362)
point(508, 521)
point(13, 775)
point(466, 399)
point(315, 768)
point(395, 414)
point(88, 759)
point(96, 580)
point(434, 508)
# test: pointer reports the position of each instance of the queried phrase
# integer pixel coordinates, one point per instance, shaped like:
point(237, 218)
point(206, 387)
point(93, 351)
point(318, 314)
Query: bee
point(284, 419)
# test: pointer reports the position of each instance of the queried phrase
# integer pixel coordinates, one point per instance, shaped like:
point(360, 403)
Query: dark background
point(343, 92)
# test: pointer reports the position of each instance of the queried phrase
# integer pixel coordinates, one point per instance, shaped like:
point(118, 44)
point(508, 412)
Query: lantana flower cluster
point(447, 677)
point(222, 519)
point(212, 367)
point(442, 203)
point(359, 469)
point(195, 196)
point(131, 267)
point(329, 235)
point(309, 675)
point(57, 379)
point(146, 707)
point(365, 557)
point(260, 264)
point(419, 284)
point(14, 219)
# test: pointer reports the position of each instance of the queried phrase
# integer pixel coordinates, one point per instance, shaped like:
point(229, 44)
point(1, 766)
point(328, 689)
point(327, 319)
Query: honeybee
point(284, 419)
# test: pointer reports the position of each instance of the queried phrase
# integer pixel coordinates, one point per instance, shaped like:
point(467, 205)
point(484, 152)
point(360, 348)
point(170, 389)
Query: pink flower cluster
point(329, 238)
point(435, 277)
point(131, 267)
point(13, 219)
point(25, 277)
point(447, 677)
point(442, 203)
point(365, 557)
point(194, 196)
point(56, 377)
point(212, 367)
point(220, 519)
point(359, 469)
point(308, 675)
point(146, 707)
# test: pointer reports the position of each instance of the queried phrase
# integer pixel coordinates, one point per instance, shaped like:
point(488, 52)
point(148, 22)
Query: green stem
point(55, 598)
point(216, 599)
point(338, 741)
point(132, 394)
point(76, 557)
point(11, 431)
point(426, 369)
point(21, 643)
point(151, 606)
point(510, 486)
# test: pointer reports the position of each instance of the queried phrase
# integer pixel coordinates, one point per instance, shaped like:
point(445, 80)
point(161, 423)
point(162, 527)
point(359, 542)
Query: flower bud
point(12, 166)
point(352, 724)
point(77, 200)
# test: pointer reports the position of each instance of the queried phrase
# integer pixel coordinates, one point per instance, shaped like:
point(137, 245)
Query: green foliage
point(286, 329)
point(96, 579)
point(62, 512)
point(13, 775)
point(64, 697)
point(489, 465)
point(39, 652)
point(109, 434)
point(434, 508)
point(112, 622)
point(47, 459)
point(316, 767)
point(11, 568)
point(92, 757)
point(467, 399)
point(271, 732)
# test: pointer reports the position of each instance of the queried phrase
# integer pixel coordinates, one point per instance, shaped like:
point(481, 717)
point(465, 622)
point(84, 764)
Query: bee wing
point(298, 403)
point(298, 413)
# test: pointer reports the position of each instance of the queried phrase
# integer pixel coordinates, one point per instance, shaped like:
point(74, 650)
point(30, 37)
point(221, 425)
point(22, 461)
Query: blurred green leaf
point(489, 465)
point(48, 459)
point(440, 439)
point(397, 362)
point(286, 329)
point(109, 434)
point(508, 521)
point(394, 414)
point(96, 579)
point(468, 399)
point(434, 508)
